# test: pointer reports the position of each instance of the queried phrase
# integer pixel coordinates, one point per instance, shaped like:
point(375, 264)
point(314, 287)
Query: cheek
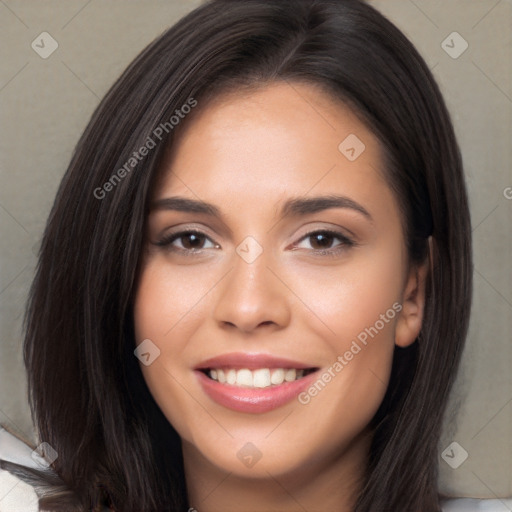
point(355, 308)
point(165, 297)
point(166, 311)
point(344, 301)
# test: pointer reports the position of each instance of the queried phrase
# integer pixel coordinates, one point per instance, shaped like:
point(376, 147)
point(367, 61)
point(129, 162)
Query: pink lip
point(250, 361)
point(252, 400)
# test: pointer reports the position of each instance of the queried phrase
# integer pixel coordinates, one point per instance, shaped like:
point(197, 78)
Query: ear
point(410, 319)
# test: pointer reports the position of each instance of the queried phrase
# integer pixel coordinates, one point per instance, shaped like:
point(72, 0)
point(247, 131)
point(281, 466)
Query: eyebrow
point(298, 206)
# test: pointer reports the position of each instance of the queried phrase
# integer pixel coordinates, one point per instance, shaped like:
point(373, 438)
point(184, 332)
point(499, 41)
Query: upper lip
point(251, 362)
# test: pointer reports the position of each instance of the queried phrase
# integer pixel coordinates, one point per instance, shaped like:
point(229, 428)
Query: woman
point(254, 286)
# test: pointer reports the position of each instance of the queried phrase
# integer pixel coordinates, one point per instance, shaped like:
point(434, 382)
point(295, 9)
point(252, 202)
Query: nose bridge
point(251, 294)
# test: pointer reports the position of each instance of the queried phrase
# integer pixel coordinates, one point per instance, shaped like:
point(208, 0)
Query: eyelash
point(332, 252)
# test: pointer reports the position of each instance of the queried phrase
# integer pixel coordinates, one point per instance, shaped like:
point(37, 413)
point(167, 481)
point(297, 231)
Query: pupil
point(323, 239)
point(191, 237)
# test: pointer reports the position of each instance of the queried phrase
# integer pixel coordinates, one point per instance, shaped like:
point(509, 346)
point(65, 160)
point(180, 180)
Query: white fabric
point(474, 505)
point(17, 496)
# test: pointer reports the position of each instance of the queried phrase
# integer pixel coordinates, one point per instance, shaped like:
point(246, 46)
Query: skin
point(247, 153)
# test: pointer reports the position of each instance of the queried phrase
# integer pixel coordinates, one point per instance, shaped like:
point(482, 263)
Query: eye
point(322, 241)
point(191, 241)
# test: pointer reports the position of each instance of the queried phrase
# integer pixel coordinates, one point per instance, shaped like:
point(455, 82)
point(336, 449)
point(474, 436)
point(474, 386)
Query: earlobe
point(410, 320)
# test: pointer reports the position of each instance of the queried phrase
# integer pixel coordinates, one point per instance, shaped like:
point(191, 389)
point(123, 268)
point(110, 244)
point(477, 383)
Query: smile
point(253, 383)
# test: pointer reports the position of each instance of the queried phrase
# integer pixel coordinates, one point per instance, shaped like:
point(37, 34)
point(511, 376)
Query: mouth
point(253, 383)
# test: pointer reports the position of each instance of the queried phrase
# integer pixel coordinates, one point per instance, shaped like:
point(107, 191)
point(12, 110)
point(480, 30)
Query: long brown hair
point(88, 397)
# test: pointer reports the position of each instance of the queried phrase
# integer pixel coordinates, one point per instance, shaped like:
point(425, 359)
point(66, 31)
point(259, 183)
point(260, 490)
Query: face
point(276, 308)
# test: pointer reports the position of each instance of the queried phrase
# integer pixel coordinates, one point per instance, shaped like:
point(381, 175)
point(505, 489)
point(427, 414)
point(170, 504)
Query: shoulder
point(15, 494)
point(476, 505)
point(21, 486)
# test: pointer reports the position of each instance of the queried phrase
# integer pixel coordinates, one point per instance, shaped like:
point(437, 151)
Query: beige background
point(46, 103)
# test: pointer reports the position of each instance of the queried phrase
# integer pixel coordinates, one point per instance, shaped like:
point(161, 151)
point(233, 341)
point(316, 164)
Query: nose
point(253, 296)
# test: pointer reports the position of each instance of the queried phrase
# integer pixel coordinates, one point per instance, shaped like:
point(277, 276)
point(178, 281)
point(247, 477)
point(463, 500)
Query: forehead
point(283, 139)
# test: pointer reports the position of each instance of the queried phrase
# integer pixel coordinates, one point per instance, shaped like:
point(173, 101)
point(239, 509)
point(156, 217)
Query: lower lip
point(254, 400)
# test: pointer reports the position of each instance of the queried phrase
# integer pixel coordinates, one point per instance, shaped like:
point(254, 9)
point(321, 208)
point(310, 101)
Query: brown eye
point(190, 241)
point(322, 241)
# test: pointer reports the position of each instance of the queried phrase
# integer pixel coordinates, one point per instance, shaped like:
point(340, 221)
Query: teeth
point(277, 376)
point(290, 375)
point(244, 378)
point(231, 377)
point(261, 378)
